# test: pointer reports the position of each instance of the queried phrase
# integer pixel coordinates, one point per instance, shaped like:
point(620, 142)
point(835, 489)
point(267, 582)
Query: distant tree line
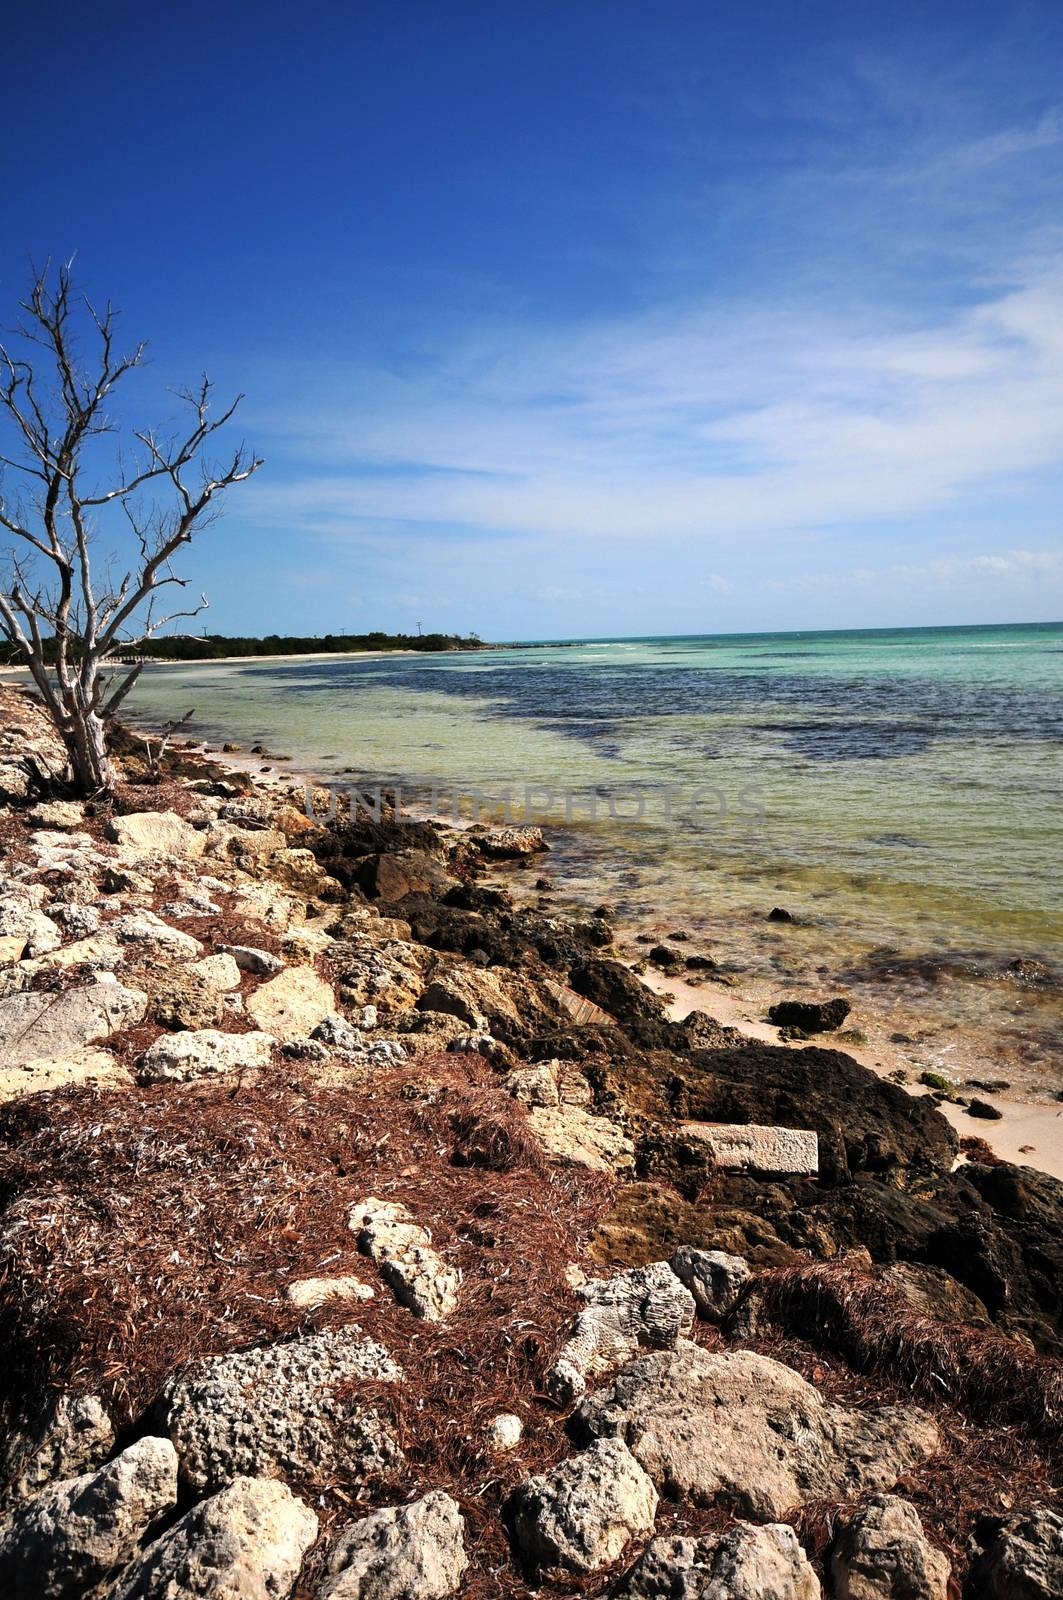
point(212, 646)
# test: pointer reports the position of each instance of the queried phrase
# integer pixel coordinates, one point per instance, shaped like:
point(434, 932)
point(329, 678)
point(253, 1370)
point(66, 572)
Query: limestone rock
point(577, 1138)
point(534, 1085)
point(745, 1563)
point(411, 1552)
point(308, 1293)
point(582, 1514)
point(51, 1025)
point(59, 814)
point(502, 844)
point(714, 1278)
point(414, 1271)
point(646, 1307)
point(505, 1431)
point(261, 963)
point(474, 996)
point(337, 1032)
point(68, 1438)
point(883, 1554)
point(219, 972)
point(186, 1000)
point(743, 1430)
point(76, 1534)
point(1025, 1560)
point(751, 1147)
point(290, 1005)
point(26, 931)
point(394, 875)
point(40, 1073)
point(151, 934)
point(156, 833)
point(280, 1410)
point(205, 1053)
point(246, 1543)
point(387, 975)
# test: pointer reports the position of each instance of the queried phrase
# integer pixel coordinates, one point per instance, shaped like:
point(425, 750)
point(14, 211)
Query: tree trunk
point(87, 752)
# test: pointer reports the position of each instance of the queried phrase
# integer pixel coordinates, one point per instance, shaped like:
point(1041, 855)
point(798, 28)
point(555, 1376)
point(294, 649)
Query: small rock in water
point(983, 1109)
point(811, 1016)
point(780, 914)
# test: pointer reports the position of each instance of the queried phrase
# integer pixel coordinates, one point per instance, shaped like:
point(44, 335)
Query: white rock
point(145, 929)
point(282, 1411)
point(218, 972)
point(749, 1147)
point(204, 1053)
point(260, 963)
point(246, 1543)
point(54, 1025)
point(643, 1308)
point(505, 1431)
point(156, 833)
point(291, 1005)
point(416, 1273)
point(745, 1563)
point(76, 1534)
point(308, 1293)
point(582, 1514)
point(68, 1438)
point(883, 1554)
point(411, 1552)
point(574, 1136)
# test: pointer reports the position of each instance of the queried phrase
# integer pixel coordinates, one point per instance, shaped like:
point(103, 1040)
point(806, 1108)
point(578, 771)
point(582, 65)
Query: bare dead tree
point(73, 624)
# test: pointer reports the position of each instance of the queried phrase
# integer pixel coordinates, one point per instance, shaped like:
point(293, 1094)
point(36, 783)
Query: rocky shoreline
point(369, 1229)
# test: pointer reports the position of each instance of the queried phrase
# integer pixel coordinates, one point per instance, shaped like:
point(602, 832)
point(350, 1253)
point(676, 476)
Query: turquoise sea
point(901, 791)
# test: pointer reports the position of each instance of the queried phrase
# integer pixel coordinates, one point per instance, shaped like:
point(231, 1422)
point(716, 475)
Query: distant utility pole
point(418, 630)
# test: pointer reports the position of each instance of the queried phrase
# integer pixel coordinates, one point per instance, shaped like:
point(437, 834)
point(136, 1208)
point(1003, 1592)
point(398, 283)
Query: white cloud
point(697, 425)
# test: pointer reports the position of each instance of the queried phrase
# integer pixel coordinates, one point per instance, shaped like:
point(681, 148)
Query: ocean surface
point(900, 791)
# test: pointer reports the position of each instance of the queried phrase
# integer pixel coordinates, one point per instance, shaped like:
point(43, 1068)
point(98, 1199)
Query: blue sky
point(581, 317)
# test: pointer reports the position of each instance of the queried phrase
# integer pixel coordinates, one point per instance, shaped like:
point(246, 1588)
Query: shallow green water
point(899, 788)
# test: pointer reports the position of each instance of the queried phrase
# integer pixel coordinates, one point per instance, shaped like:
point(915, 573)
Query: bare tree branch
point(66, 628)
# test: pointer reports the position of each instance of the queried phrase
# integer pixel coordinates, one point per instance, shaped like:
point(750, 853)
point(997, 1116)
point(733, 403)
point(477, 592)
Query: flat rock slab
point(751, 1148)
point(157, 833)
point(91, 1065)
point(56, 1025)
point(577, 1138)
point(281, 1411)
point(291, 1005)
point(743, 1431)
point(206, 1053)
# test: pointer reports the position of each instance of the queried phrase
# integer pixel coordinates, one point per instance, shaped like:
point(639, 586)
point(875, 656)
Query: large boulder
point(883, 1554)
point(647, 1308)
point(37, 1026)
point(64, 1439)
point(1025, 1560)
point(292, 1004)
point(282, 1410)
point(745, 1563)
point(156, 833)
point(246, 1543)
point(204, 1053)
point(399, 873)
point(71, 1537)
point(863, 1123)
point(747, 1432)
point(399, 1553)
point(582, 1514)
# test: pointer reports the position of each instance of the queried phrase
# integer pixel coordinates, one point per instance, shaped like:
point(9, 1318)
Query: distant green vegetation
point(211, 646)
